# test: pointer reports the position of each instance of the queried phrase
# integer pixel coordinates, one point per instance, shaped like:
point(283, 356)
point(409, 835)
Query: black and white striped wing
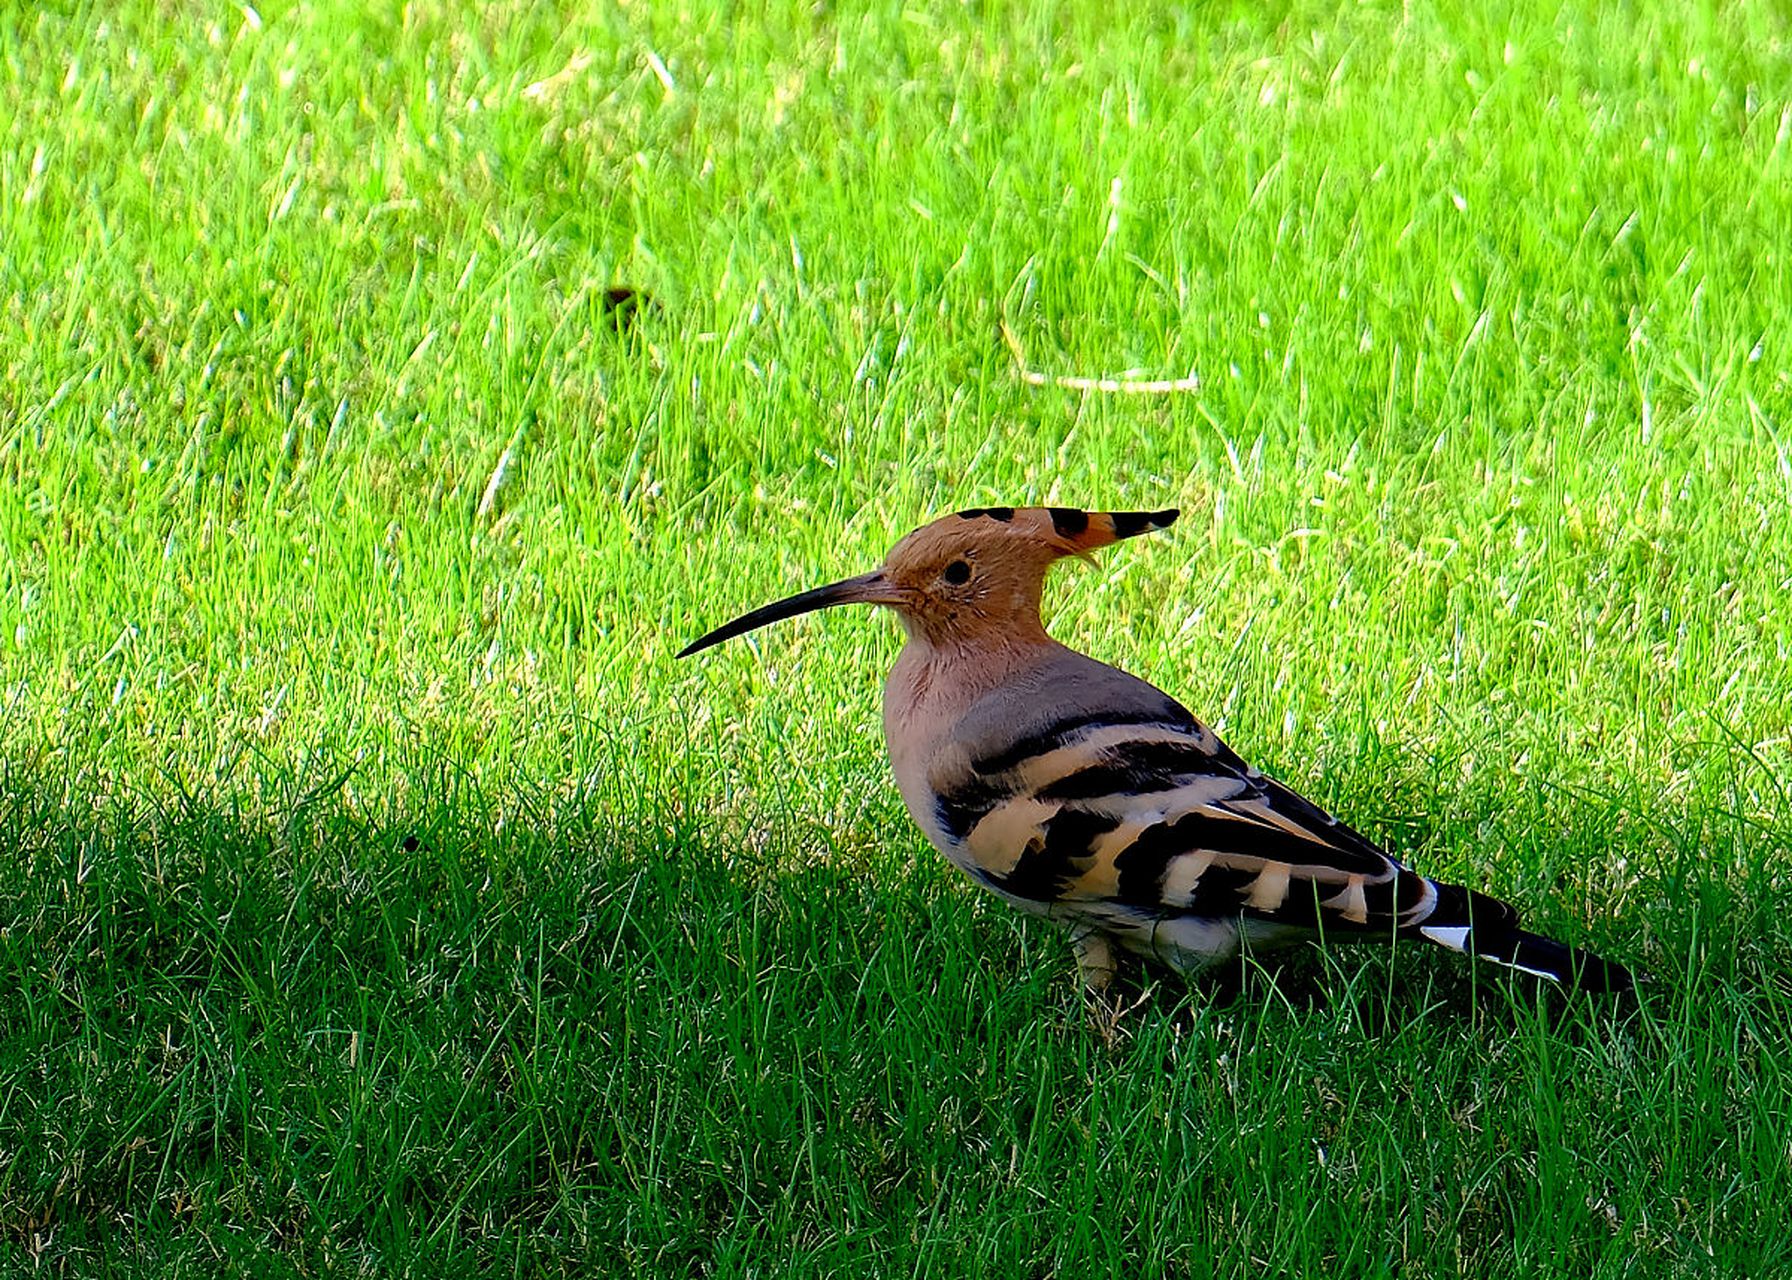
point(1085, 793)
point(1163, 819)
point(1084, 786)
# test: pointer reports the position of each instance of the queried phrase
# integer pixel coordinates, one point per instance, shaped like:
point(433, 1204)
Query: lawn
point(381, 897)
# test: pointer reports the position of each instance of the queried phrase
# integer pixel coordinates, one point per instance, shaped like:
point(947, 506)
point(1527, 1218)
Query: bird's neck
point(935, 682)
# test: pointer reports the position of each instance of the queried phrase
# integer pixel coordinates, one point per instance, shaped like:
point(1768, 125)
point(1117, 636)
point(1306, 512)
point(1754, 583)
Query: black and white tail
point(1477, 925)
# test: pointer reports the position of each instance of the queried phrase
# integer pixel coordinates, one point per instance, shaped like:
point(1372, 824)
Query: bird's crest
point(1072, 528)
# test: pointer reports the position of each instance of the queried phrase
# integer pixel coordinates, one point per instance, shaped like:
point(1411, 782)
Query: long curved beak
point(867, 588)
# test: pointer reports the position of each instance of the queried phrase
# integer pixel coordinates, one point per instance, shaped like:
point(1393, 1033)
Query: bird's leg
point(1096, 966)
point(1095, 962)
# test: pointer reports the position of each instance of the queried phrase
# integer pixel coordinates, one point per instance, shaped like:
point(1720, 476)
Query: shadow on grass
point(325, 1046)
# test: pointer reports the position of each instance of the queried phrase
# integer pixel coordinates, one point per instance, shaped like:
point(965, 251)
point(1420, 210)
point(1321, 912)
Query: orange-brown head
point(975, 574)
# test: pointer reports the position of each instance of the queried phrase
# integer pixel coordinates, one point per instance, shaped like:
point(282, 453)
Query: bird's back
point(1079, 791)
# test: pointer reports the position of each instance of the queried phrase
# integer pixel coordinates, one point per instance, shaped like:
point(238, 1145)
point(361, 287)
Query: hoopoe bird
point(1083, 794)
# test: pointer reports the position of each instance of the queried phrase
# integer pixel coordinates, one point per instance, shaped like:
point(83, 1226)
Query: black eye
point(957, 573)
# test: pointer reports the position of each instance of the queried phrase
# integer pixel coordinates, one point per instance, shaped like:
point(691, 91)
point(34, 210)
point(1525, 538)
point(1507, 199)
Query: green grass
point(383, 898)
